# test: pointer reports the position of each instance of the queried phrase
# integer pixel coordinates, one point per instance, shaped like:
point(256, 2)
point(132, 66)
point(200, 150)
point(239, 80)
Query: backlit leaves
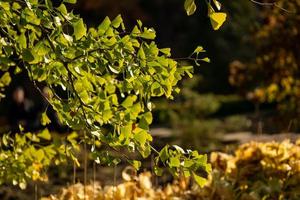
point(217, 19)
point(21, 160)
point(187, 163)
point(199, 180)
point(103, 27)
point(109, 76)
point(5, 79)
point(45, 134)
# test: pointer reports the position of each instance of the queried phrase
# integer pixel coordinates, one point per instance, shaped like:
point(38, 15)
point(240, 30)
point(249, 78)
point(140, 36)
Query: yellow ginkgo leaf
point(217, 19)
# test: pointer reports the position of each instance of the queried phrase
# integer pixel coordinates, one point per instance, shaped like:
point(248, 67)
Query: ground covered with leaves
point(253, 171)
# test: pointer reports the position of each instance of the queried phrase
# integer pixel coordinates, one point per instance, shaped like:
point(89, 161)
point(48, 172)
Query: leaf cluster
point(216, 18)
point(27, 156)
point(256, 171)
point(108, 73)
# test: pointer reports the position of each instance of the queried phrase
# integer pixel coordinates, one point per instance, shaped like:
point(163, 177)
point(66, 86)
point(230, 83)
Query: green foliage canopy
point(109, 73)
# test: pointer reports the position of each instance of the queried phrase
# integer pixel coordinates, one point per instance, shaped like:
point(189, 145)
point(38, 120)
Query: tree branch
point(271, 4)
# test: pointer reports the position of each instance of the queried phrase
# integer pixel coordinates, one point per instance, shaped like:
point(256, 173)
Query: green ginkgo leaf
point(27, 55)
point(45, 134)
point(79, 29)
point(199, 180)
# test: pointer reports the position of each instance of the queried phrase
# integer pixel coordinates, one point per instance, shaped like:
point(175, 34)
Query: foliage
point(26, 156)
point(274, 74)
point(134, 187)
point(108, 74)
point(256, 171)
point(268, 170)
point(200, 114)
point(216, 18)
point(4, 81)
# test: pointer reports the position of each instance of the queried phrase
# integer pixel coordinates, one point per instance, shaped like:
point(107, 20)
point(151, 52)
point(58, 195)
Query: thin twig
point(263, 3)
point(271, 4)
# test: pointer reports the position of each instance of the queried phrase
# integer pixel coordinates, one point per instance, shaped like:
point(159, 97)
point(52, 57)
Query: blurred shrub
point(273, 76)
point(236, 123)
point(196, 117)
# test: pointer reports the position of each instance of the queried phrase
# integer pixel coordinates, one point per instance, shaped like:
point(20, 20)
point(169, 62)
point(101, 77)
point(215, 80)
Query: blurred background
point(250, 87)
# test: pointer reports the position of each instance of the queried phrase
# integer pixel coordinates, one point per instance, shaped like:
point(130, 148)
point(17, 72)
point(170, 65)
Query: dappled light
point(132, 99)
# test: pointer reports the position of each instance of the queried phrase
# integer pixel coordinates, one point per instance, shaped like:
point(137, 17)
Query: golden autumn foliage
point(134, 187)
point(274, 75)
point(255, 171)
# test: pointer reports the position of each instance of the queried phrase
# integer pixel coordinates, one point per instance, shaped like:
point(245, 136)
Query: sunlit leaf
point(217, 4)
point(136, 164)
point(5, 79)
point(103, 27)
point(199, 180)
point(45, 134)
point(174, 162)
point(190, 7)
point(117, 21)
point(79, 29)
point(217, 19)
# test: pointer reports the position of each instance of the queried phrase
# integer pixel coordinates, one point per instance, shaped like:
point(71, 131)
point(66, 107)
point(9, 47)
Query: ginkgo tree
point(110, 75)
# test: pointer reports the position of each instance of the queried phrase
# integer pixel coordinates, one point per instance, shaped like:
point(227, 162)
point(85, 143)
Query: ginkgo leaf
point(5, 79)
point(199, 180)
point(206, 59)
point(45, 119)
point(79, 29)
point(199, 49)
point(217, 4)
point(190, 7)
point(45, 134)
point(217, 19)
